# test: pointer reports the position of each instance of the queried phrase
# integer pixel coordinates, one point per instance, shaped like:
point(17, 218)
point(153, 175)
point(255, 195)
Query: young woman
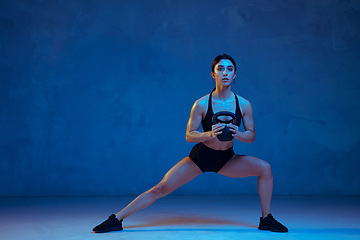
point(214, 149)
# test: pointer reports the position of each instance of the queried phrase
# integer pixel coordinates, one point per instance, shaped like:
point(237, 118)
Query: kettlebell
point(226, 134)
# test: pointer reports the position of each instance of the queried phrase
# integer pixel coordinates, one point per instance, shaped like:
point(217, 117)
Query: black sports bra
point(207, 121)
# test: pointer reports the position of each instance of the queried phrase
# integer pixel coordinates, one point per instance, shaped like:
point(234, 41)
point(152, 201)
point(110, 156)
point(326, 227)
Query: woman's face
point(224, 72)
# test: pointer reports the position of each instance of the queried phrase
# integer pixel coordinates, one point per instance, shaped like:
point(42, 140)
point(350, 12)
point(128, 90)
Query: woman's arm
point(248, 122)
point(192, 133)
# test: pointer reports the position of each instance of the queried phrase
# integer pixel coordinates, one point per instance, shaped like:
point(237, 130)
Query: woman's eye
point(220, 69)
point(230, 69)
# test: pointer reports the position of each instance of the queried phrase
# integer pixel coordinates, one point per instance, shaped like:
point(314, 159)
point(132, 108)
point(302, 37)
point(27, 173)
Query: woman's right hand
point(216, 129)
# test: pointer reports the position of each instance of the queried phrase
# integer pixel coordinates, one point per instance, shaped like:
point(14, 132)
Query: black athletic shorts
point(208, 159)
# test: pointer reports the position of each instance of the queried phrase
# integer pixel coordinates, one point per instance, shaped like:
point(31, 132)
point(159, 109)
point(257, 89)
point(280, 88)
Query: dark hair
point(220, 57)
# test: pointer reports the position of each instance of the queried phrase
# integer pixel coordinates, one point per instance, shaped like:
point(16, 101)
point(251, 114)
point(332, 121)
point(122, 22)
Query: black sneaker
point(111, 224)
point(269, 223)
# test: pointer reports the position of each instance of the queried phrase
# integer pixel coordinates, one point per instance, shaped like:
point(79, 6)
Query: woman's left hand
point(233, 128)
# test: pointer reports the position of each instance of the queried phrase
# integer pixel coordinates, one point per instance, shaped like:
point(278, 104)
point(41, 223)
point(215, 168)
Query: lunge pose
point(220, 114)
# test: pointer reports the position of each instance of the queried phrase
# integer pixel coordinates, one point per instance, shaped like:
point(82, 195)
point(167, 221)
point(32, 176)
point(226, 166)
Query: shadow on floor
point(190, 221)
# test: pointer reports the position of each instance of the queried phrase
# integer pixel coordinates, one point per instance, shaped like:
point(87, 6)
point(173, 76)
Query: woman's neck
point(222, 93)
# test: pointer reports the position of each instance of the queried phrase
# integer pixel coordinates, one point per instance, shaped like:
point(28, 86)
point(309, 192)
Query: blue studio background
point(95, 95)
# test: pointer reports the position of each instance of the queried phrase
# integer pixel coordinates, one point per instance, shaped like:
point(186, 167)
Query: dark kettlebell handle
point(226, 134)
point(223, 113)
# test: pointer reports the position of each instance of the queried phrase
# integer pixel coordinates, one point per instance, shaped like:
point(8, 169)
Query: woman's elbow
point(249, 138)
point(189, 137)
point(252, 139)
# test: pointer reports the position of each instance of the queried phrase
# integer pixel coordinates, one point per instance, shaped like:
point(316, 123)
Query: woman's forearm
point(196, 136)
point(247, 136)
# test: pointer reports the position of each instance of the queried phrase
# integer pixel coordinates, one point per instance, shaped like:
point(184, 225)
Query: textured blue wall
point(95, 95)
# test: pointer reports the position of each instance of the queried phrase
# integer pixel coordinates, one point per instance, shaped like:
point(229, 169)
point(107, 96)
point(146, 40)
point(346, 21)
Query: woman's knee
point(159, 190)
point(266, 169)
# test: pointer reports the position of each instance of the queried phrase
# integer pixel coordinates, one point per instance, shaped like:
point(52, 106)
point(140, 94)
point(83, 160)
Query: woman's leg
point(245, 166)
point(178, 175)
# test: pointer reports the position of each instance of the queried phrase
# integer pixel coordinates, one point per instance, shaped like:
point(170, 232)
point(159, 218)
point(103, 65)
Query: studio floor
point(181, 217)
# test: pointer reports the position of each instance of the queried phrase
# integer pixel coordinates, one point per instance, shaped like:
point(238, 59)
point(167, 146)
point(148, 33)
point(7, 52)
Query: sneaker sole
point(271, 229)
point(110, 230)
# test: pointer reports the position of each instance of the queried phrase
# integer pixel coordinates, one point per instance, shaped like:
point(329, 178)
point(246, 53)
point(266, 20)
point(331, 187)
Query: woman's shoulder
point(203, 99)
point(242, 100)
point(202, 103)
point(245, 105)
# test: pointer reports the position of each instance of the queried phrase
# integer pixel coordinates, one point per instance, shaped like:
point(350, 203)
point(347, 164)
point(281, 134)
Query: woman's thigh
point(178, 175)
point(244, 166)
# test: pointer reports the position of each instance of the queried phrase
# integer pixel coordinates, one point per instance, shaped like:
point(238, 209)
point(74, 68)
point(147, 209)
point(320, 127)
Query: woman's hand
point(216, 129)
point(233, 128)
